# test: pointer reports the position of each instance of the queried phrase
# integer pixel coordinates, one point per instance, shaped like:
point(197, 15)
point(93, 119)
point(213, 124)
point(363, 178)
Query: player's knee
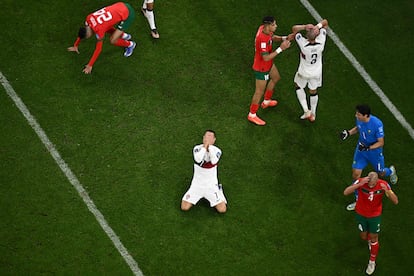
point(221, 208)
point(185, 206)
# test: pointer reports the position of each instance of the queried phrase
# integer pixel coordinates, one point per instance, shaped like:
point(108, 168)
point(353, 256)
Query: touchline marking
point(374, 86)
point(70, 176)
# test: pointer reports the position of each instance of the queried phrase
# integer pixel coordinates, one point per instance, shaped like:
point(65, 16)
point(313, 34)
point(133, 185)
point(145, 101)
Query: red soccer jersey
point(104, 19)
point(369, 202)
point(263, 46)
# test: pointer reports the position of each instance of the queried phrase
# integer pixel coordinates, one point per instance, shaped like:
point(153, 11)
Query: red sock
point(374, 250)
point(254, 108)
point(122, 43)
point(268, 94)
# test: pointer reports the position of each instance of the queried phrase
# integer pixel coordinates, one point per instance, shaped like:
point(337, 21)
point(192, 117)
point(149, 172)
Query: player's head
point(362, 112)
point(373, 178)
point(85, 32)
point(311, 34)
point(269, 21)
point(363, 109)
point(209, 137)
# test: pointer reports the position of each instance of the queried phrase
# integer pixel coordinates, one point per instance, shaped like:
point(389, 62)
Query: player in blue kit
point(369, 147)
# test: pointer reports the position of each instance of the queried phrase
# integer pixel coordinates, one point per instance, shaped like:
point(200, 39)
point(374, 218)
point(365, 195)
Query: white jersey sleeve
point(215, 154)
point(198, 153)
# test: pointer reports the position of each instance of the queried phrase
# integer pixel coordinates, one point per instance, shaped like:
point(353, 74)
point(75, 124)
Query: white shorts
point(313, 83)
point(213, 194)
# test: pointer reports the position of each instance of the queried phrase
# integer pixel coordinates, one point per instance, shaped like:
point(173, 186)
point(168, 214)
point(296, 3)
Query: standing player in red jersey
point(265, 70)
point(368, 210)
point(112, 19)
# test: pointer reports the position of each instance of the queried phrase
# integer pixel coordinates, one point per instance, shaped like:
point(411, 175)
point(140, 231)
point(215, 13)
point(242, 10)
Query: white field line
point(374, 86)
point(70, 176)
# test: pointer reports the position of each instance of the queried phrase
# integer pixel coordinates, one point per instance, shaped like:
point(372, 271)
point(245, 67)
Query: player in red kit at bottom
point(368, 210)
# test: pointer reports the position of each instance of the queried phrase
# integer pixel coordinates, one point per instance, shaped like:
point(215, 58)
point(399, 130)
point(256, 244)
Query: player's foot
point(155, 34)
point(143, 11)
point(312, 118)
point(129, 50)
point(256, 120)
point(370, 267)
point(306, 115)
point(126, 36)
point(351, 206)
point(268, 103)
point(393, 176)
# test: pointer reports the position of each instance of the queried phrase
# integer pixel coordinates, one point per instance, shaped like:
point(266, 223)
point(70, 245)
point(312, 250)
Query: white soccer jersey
point(205, 165)
point(310, 65)
point(205, 182)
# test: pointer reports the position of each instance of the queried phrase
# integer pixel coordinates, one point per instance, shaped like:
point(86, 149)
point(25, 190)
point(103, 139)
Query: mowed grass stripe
point(70, 176)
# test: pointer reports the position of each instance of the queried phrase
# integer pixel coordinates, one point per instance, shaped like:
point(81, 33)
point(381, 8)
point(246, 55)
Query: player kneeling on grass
point(368, 210)
point(205, 182)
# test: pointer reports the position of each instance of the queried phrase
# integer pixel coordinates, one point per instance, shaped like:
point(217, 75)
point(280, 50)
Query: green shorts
point(123, 25)
point(370, 225)
point(261, 75)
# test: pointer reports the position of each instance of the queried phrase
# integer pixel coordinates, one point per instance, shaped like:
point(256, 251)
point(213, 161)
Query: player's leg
point(377, 161)
point(148, 11)
point(190, 198)
point(358, 164)
point(274, 78)
point(261, 81)
point(217, 199)
point(373, 230)
point(300, 84)
point(221, 207)
point(314, 84)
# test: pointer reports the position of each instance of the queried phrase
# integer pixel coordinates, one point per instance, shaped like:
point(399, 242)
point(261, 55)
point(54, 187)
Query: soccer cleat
point(351, 206)
point(306, 115)
point(129, 50)
point(256, 120)
point(370, 267)
point(155, 34)
point(270, 103)
point(393, 176)
point(126, 36)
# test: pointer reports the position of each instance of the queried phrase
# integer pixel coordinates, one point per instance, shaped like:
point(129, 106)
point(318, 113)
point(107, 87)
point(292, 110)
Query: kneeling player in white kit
point(310, 67)
point(205, 182)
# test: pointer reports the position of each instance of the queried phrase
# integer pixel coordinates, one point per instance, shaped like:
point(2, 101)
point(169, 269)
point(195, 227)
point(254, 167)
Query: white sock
point(300, 93)
point(314, 103)
point(151, 19)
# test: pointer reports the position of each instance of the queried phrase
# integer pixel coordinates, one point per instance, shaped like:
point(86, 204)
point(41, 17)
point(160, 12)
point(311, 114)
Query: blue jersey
point(370, 131)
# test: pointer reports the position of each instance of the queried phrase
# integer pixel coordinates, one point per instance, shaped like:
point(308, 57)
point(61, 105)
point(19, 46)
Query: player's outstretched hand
point(73, 49)
point(285, 44)
point(344, 134)
point(291, 37)
point(87, 69)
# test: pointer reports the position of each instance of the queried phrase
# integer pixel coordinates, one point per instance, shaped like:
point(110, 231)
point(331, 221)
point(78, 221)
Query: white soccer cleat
point(393, 176)
point(351, 206)
point(370, 267)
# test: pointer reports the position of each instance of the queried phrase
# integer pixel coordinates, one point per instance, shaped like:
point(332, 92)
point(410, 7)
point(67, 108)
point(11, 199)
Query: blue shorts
point(373, 157)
